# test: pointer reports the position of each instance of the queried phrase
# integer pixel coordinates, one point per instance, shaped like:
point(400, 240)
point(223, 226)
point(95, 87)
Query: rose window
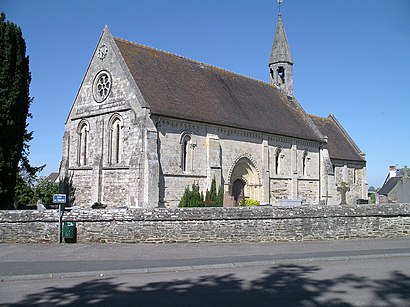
point(102, 86)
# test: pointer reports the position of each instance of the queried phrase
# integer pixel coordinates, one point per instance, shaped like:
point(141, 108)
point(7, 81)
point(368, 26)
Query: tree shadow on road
point(281, 285)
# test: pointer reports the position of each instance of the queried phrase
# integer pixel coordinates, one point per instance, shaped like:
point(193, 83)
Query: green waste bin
point(69, 232)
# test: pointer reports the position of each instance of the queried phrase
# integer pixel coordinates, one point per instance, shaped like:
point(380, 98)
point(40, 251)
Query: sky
point(351, 58)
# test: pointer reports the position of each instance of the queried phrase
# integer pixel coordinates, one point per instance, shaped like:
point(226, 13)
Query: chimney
point(392, 171)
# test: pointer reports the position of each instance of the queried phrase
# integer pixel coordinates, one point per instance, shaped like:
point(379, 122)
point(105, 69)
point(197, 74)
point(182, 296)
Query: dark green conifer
point(14, 108)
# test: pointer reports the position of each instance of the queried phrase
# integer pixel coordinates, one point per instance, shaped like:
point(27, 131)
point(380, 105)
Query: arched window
point(304, 163)
point(277, 160)
point(186, 142)
point(354, 175)
point(187, 151)
point(115, 144)
point(281, 74)
point(82, 146)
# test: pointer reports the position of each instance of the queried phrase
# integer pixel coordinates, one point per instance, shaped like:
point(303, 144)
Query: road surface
point(330, 273)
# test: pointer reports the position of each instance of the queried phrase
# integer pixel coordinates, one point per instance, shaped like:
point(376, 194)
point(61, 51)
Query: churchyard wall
point(215, 225)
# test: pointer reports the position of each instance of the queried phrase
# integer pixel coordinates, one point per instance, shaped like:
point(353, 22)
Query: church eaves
point(180, 88)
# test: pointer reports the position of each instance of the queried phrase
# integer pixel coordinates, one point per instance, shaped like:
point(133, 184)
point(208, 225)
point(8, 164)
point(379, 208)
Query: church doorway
point(238, 191)
point(244, 181)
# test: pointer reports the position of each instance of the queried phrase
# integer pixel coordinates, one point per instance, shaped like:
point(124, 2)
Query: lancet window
point(115, 144)
point(82, 147)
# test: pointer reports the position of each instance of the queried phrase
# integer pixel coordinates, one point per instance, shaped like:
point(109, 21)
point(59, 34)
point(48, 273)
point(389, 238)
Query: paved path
point(39, 261)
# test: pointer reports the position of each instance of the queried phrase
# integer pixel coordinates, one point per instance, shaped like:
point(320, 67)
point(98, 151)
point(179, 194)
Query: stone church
point(146, 123)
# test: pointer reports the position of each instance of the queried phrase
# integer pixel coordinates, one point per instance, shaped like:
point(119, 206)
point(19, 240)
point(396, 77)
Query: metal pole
point(59, 223)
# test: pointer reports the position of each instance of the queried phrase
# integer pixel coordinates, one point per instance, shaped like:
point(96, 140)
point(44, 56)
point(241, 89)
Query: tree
point(23, 191)
point(195, 198)
point(45, 190)
point(214, 198)
point(14, 109)
point(220, 198)
point(192, 198)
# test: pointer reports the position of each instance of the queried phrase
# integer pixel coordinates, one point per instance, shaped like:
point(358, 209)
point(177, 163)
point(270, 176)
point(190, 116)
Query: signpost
point(59, 199)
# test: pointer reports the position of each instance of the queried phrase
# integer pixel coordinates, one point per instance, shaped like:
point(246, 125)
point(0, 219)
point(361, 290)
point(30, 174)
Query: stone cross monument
point(343, 188)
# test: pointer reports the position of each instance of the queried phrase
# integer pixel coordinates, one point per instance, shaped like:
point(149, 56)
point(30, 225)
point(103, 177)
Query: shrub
point(195, 198)
point(249, 202)
point(192, 198)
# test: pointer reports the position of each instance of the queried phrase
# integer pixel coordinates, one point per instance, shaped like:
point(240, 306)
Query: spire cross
point(279, 4)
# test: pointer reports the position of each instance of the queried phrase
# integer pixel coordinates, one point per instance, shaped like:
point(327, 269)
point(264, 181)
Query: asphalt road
point(332, 273)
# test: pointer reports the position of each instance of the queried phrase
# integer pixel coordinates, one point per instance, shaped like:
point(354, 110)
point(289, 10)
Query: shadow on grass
point(281, 285)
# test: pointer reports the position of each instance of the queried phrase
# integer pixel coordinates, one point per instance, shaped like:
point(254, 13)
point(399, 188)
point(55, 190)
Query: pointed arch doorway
point(244, 181)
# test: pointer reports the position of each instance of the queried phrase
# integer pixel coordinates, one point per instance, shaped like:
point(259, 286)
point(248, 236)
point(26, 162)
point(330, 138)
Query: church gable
point(107, 85)
point(106, 144)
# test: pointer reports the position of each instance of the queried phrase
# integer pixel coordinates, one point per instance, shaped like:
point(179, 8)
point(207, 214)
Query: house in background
point(53, 178)
point(396, 187)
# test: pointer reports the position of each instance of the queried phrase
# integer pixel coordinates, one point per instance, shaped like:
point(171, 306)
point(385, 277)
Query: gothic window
point(82, 146)
point(115, 143)
point(185, 152)
point(304, 163)
point(187, 147)
point(277, 160)
point(281, 73)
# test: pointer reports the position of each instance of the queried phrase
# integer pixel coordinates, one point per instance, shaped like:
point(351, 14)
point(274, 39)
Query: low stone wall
point(188, 225)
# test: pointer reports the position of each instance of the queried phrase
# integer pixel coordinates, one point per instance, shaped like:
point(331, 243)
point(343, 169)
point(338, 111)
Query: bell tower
point(281, 62)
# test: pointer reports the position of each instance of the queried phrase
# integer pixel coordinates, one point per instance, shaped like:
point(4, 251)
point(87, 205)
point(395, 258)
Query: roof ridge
point(194, 61)
point(317, 116)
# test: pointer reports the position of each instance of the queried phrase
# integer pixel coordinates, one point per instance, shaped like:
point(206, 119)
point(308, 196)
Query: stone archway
point(244, 180)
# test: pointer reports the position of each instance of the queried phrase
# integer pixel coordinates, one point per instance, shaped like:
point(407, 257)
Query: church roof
point(280, 47)
point(340, 145)
point(178, 87)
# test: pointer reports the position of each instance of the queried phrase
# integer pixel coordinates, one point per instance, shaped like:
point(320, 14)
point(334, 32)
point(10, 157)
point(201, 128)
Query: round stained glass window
point(102, 86)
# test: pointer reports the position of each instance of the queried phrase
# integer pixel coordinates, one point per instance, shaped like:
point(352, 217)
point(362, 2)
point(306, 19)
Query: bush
point(249, 202)
point(195, 198)
point(192, 198)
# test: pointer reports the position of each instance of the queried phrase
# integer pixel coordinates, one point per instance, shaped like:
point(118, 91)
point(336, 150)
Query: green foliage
point(29, 191)
point(212, 198)
point(45, 190)
point(14, 109)
point(249, 202)
point(220, 197)
point(191, 198)
point(24, 193)
point(194, 198)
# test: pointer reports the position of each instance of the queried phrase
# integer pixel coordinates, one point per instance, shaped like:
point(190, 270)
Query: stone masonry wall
point(191, 225)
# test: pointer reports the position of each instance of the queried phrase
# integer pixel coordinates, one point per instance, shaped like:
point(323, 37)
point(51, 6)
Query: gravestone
point(228, 200)
point(343, 188)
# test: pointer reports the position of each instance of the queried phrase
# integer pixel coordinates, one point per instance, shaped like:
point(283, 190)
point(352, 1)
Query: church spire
point(281, 61)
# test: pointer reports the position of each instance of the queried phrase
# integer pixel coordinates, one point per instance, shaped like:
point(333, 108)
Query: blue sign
point(59, 199)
